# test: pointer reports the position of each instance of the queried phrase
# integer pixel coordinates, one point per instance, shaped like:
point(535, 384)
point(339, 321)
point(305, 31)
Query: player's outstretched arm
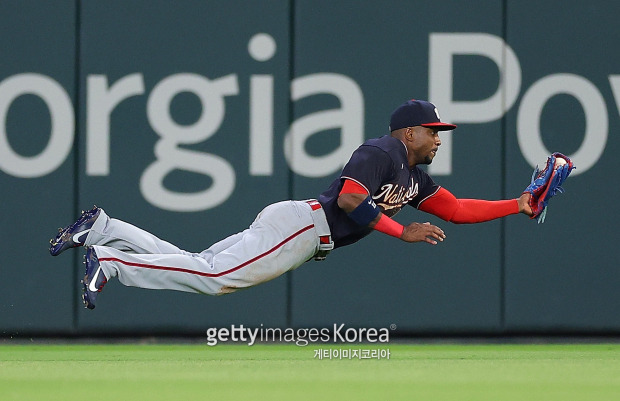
point(446, 206)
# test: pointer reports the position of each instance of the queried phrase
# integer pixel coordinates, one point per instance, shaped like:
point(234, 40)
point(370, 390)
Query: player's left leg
point(94, 279)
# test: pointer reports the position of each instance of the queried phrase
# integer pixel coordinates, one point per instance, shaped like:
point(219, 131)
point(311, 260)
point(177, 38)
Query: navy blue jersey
point(380, 165)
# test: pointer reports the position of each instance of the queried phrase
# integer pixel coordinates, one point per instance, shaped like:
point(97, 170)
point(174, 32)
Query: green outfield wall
point(187, 118)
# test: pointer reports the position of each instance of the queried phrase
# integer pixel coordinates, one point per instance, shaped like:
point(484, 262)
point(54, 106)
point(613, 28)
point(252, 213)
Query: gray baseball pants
point(283, 236)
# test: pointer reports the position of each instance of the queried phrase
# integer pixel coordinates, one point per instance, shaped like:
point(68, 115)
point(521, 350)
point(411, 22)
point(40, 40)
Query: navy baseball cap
point(418, 112)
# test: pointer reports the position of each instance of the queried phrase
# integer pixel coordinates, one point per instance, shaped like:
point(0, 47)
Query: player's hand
point(418, 232)
point(524, 204)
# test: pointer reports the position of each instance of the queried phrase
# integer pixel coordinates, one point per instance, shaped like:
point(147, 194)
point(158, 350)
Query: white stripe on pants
point(282, 238)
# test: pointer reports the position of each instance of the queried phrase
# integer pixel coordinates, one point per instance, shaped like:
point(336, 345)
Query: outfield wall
point(188, 118)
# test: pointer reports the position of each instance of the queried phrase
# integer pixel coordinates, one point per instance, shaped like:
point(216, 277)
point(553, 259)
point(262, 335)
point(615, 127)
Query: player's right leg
point(128, 238)
point(74, 235)
point(94, 227)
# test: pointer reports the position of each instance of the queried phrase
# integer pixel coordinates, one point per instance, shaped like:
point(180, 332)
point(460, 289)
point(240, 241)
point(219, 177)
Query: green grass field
point(288, 372)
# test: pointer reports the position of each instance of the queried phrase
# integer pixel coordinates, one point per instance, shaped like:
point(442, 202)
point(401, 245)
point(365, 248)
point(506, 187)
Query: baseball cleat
point(74, 235)
point(94, 280)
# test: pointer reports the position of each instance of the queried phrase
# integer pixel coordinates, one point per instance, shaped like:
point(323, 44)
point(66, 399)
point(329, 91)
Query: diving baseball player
point(380, 178)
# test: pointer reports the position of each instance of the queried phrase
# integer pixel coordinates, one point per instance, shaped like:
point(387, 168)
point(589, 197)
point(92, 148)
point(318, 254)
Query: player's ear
point(409, 133)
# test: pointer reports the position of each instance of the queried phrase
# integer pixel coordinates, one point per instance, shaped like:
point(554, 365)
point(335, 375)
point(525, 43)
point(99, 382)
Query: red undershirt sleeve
point(352, 187)
point(385, 224)
point(464, 211)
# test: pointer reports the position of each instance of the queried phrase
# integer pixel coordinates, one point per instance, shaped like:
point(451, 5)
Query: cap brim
point(440, 126)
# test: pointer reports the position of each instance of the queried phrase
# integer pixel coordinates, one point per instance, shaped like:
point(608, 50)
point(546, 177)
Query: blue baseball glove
point(547, 183)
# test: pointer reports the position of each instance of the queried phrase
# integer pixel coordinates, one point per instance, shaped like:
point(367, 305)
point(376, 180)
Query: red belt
point(315, 205)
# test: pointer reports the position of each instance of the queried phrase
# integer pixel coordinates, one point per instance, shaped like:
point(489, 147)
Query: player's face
point(424, 144)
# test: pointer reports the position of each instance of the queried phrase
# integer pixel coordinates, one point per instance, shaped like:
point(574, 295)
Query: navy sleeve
point(370, 167)
point(426, 188)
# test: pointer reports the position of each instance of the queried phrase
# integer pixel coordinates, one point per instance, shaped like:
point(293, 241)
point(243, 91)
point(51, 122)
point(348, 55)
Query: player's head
point(416, 123)
point(418, 113)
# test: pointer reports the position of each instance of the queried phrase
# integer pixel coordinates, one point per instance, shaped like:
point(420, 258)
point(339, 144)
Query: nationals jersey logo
point(392, 196)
